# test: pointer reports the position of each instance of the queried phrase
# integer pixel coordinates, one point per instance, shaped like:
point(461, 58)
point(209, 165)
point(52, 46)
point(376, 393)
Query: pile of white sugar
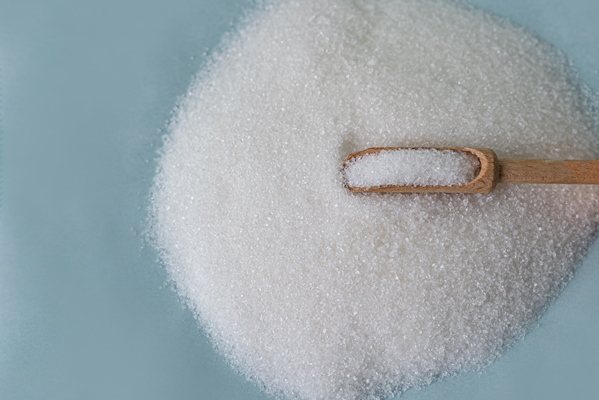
point(317, 293)
point(411, 167)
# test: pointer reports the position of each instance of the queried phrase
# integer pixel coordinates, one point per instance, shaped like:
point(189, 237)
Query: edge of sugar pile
point(248, 23)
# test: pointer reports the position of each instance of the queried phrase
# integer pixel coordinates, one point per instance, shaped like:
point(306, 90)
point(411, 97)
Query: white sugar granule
point(412, 167)
point(318, 293)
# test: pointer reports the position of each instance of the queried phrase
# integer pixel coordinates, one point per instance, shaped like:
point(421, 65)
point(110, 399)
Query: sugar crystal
point(411, 167)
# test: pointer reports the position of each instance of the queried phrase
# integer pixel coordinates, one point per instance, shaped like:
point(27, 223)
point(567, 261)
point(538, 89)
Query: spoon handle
point(549, 171)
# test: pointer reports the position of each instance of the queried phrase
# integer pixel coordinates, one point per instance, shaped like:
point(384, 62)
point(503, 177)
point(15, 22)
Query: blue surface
point(85, 89)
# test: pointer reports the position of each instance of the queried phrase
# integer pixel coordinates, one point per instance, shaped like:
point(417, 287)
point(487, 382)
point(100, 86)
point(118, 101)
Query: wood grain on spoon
point(493, 171)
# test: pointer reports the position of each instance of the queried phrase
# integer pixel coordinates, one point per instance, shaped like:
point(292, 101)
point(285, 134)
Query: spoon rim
point(484, 182)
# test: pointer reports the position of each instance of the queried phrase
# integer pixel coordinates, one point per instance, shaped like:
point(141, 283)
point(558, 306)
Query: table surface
point(86, 88)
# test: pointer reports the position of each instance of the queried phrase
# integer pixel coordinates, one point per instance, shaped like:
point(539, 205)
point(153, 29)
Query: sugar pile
point(317, 293)
point(411, 167)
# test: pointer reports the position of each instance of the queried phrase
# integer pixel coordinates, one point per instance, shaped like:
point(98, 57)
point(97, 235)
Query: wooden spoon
point(494, 171)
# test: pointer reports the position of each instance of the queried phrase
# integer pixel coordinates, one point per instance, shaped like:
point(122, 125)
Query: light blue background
point(85, 89)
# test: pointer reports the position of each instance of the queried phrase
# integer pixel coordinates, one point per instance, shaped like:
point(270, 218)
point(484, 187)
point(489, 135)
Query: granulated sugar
point(415, 167)
point(317, 293)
